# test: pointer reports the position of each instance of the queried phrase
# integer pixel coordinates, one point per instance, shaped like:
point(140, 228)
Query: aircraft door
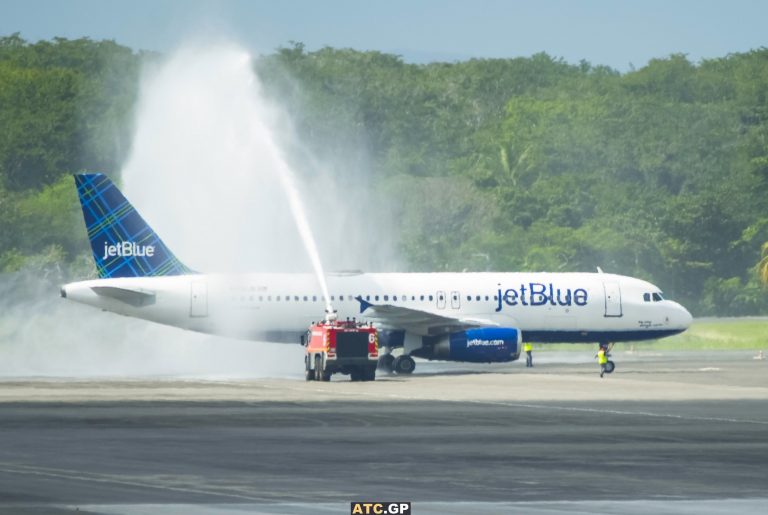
point(198, 306)
point(612, 299)
point(455, 300)
point(441, 300)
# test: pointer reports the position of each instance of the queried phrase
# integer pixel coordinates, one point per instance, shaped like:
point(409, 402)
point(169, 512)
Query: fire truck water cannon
point(340, 347)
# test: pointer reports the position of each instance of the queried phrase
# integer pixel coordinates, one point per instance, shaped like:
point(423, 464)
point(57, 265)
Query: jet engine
point(483, 345)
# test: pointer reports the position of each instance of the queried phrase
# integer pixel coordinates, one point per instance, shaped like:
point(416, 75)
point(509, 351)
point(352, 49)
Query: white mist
point(205, 172)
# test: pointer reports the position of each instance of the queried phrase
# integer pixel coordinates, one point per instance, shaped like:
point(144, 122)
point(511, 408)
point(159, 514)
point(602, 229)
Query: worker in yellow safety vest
point(602, 359)
point(528, 356)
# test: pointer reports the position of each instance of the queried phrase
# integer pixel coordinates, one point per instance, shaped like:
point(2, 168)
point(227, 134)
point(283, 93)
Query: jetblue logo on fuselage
point(539, 294)
point(128, 249)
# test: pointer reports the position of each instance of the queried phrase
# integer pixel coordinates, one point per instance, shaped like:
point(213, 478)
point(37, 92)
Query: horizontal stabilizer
point(136, 298)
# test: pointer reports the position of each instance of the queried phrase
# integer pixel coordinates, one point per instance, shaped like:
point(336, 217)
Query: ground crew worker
point(602, 359)
point(528, 356)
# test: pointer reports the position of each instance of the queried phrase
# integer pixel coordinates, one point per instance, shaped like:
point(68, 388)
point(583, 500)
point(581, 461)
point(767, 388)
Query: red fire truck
point(346, 347)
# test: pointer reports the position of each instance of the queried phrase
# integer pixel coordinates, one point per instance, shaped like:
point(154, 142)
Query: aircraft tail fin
point(123, 244)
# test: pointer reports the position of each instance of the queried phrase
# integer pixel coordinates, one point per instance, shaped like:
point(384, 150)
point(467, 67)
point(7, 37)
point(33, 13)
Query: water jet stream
point(302, 224)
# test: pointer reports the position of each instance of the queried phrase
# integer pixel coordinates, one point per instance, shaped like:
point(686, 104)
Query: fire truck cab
point(345, 347)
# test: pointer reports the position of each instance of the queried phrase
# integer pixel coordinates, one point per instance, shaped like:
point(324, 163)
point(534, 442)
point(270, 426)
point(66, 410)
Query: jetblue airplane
point(471, 317)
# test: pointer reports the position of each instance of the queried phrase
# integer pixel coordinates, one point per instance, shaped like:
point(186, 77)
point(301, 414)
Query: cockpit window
point(647, 297)
point(657, 297)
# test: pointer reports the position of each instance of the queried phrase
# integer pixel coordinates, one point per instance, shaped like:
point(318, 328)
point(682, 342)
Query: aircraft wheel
point(609, 366)
point(403, 364)
point(385, 362)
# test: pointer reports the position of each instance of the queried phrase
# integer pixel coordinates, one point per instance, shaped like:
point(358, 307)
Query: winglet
point(364, 304)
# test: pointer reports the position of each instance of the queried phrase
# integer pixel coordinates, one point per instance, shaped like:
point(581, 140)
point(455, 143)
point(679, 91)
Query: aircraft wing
point(417, 321)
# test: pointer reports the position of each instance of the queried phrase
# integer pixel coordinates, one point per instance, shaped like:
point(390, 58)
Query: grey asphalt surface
point(312, 453)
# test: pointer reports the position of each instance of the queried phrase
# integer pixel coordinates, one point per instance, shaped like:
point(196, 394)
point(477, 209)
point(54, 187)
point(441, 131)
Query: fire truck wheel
point(385, 362)
point(325, 375)
point(318, 368)
point(309, 374)
point(404, 364)
point(356, 374)
point(369, 373)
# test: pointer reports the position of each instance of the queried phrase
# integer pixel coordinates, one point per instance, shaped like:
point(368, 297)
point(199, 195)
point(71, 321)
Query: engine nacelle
point(483, 345)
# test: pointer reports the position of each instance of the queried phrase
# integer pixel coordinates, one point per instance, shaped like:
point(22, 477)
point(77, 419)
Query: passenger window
point(431, 298)
point(376, 297)
point(386, 297)
point(394, 298)
point(314, 298)
point(469, 297)
point(477, 298)
point(305, 298)
point(421, 298)
point(647, 297)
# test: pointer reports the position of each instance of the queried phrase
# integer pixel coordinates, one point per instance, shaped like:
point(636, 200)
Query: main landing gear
point(403, 364)
point(610, 366)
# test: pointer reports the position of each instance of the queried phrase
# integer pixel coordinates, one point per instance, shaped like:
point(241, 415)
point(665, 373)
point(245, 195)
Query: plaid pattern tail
point(123, 244)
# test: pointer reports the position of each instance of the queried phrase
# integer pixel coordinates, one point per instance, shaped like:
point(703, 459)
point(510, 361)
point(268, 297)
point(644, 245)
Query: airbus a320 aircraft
point(471, 317)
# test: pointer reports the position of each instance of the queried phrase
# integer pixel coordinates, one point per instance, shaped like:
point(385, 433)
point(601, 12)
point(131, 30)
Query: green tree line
point(499, 164)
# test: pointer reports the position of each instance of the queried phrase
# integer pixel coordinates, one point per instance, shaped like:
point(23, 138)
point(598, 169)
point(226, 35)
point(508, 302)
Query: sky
point(619, 33)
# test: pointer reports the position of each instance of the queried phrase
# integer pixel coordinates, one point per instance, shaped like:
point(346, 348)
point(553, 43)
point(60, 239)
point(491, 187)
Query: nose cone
point(682, 318)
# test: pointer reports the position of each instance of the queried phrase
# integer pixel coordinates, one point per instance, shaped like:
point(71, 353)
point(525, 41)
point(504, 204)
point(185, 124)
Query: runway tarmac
point(664, 434)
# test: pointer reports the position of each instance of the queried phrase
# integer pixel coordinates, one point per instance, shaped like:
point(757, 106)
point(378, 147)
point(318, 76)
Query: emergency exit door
point(612, 299)
point(198, 306)
point(441, 300)
point(455, 300)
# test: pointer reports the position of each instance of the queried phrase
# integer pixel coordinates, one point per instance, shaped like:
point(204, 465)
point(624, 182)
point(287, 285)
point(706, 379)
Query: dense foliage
point(502, 164)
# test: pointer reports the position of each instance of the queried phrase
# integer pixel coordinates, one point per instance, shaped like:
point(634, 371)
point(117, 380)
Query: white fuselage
point(548, 307)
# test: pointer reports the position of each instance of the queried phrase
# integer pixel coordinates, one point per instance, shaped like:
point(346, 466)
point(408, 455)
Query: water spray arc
point(208, 136)
point(302, 224)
